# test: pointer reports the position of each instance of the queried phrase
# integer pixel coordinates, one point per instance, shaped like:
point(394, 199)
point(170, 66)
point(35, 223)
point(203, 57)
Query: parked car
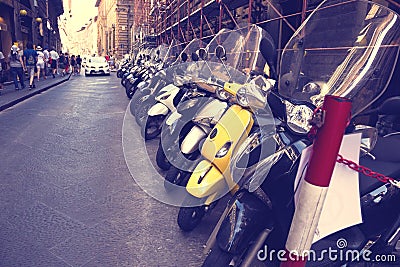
point(97, 65)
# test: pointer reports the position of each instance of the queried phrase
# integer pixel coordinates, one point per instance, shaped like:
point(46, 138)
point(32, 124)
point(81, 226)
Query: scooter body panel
point(205, 180)
point(212, 175)
point(191, 141)
point(173, 117)
point(212, 111)
point(167, 95)
point(158, 109)
point(232, 127)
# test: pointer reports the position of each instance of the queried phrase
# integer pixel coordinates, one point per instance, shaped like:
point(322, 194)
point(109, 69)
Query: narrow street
point(67, 197)
point(204, 133)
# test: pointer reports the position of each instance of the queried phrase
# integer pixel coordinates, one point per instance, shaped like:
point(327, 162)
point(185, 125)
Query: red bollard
point(313, 191)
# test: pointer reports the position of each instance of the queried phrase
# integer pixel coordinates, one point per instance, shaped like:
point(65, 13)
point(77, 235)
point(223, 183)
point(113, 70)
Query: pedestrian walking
point(54, 61)
point(46, 61)
point(40, 63)
point(79, 63)
point(30, 57)
point(73, 64)
point(17, 66)
point(61, 63)
point(66, 62)
point(2, 69)
point(112, 62)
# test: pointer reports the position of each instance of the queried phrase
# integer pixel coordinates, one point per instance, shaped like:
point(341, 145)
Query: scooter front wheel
point(123, 81)
point(190, 217)
point(152, 127)
point(128, 90)
point(161, 158)
point(175, 177)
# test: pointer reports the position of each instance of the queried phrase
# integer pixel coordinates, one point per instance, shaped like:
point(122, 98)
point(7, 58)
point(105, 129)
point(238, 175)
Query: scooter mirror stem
point(221, 55)
point(313, 191)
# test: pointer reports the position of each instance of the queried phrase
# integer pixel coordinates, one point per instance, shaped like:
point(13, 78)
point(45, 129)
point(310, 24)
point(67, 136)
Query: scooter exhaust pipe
point(253, 252)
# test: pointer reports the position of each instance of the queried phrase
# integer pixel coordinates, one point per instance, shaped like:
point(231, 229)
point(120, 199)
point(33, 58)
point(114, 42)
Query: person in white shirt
point(54, 58)
point(40, 63)
point(46, 61)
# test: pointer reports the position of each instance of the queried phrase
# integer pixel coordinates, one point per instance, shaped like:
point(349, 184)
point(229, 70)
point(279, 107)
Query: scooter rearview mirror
point(195, 57)
point(184, 57)
point(203, 53)
point(220, 52)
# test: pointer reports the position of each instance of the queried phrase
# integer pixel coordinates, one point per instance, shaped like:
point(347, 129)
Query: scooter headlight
point(224, 150)
point(241, 97)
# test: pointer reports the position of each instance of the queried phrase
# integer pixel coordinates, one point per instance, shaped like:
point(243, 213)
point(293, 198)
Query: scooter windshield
point(242, 46)
point(172, 53)
point(242, 54)
point(154, 54)
point(251, 59)
point(212, 68)
point(232, 41)
point(161, 52)
point(346, 49)
point(192, 47)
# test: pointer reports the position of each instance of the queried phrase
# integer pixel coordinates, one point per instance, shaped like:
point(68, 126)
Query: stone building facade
point(36, 21)
point(114, 26)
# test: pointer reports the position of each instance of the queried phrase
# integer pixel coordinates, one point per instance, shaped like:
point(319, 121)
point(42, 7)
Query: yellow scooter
point(212, 177)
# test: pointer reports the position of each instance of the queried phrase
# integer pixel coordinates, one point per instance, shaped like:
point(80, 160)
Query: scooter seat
point(387, 162)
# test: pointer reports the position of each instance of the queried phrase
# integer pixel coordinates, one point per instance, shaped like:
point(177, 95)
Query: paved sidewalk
point(10, 97)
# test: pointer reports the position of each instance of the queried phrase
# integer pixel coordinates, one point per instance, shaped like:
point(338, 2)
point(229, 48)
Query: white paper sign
point(342, 206)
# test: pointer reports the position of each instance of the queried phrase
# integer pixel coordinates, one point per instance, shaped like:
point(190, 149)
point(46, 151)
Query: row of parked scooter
point(231, 122)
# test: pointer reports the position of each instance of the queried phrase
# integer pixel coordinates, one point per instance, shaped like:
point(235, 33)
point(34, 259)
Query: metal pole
point(312, 193)
point(188, 19)
point(250, 8)
point(201, 19)
point(303, 11)
point(179, 21)
point(220, 15)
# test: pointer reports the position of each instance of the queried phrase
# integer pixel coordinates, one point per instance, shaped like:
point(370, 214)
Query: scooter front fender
point(173, 117)
point(206, 180)
point(246, 218)
point(158, 109)
point(192, 140)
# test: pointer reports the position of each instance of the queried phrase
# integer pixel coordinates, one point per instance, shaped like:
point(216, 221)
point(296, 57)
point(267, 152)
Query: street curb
point(36, 92)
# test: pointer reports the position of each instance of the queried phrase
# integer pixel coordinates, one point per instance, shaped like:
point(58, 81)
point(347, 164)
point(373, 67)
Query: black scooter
point(259, 215)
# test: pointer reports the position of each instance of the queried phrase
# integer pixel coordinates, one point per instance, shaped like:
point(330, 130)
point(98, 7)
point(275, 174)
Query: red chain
point(351, 164)
point(364, 170)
